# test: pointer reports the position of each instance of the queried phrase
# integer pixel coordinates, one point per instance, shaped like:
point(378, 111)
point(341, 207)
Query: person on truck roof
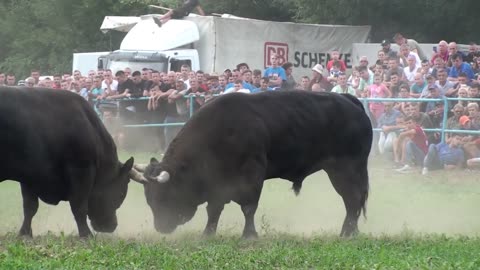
point(180, 12)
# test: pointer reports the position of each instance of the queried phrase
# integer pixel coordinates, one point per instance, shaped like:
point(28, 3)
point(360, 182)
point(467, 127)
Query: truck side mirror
point(100, 63)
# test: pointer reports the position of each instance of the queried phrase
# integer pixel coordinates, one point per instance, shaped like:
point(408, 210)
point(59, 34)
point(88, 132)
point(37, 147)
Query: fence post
point(445, 115)
point(191, 105)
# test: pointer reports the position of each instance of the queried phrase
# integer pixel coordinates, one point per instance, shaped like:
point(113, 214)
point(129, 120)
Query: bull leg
point(352, 185)
point(249, 213)
point(213, 210)
point(79, 208)
point(249, 195)
point(80, 189)
point(30, 207)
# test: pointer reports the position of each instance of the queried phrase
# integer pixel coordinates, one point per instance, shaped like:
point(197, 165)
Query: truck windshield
point(117, 65)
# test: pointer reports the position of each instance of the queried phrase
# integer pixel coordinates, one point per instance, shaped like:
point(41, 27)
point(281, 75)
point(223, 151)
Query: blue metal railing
point(365, 101)
point(445, 101)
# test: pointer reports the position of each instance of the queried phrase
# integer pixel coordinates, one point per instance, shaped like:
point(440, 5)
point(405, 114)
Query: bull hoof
point(250, 235)
point(208, 234)
point(85, 235)
point(349, 234)
point(27, 233)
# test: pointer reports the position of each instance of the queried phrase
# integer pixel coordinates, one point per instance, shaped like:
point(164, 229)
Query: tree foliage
point(44, 34)
point(423, 20)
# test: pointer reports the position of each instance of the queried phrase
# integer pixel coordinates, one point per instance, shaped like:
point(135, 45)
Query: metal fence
point(445, 101)
point(365, 101)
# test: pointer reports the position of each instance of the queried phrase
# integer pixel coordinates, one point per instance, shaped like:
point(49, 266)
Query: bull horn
point(163, 177)
point(140, 167)
point(137, 177)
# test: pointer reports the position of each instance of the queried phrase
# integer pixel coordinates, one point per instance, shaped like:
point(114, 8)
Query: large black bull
point(54, 144)
point(236, 141)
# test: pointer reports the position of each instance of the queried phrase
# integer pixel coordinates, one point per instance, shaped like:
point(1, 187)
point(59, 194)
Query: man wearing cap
point(386, 48)
point(435, 109)
point(412, 45)
point(430, 81)
point(317, 77)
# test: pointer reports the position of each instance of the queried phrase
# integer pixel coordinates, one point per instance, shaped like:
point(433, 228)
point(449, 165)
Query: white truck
point(213, 44)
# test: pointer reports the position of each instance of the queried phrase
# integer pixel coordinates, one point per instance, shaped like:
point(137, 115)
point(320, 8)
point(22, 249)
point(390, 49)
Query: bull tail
point(354, 100)
point(297, 186)
point(364, 203)
point(364, 187)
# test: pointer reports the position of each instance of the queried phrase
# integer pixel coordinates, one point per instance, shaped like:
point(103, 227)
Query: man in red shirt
point(335, 56)
point(416, 146)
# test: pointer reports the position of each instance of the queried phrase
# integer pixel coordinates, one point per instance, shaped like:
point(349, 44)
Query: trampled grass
point(414, 222)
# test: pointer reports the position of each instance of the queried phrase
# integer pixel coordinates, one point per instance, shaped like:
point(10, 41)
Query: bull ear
point(127, 166)
point(154, 161)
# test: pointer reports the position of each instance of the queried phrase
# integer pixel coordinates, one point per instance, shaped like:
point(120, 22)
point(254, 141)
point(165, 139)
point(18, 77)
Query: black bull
point(55, 145)
point(236, 141)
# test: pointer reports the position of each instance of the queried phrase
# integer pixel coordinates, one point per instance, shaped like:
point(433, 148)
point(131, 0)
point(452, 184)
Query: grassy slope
point(296, 232)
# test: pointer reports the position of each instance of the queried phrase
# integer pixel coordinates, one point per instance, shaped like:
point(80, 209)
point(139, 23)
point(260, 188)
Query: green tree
point(423, 20)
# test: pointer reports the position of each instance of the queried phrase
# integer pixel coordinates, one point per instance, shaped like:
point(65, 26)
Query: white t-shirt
point(113, 86)
point(410, 75)
point(232, 90)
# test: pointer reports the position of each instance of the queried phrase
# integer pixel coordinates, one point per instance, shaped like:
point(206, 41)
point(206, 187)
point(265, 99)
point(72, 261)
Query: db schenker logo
point(281, 49)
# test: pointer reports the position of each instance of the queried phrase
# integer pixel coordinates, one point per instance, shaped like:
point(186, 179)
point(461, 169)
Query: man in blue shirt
point(239, 76)
point(263, 86)
point(275, 73)
point(458, 67)
point(447, 156)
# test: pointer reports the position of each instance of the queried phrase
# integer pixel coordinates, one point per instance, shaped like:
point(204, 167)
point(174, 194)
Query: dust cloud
point(443, 203)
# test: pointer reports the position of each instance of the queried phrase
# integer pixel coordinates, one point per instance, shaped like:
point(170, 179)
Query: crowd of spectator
point(403, 74)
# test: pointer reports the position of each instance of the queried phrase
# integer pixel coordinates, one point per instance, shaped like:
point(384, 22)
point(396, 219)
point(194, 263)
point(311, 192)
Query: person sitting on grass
point(447, 155)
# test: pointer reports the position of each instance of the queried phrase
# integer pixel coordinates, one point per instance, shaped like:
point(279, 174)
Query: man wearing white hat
point(317, 77)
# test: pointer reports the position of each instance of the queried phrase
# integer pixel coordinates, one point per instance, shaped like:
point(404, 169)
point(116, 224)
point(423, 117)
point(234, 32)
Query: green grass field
point(414, 222)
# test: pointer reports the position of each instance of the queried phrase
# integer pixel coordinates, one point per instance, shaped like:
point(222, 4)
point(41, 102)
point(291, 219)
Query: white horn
point(137, 177)
point(140, 167)
point(163, 177)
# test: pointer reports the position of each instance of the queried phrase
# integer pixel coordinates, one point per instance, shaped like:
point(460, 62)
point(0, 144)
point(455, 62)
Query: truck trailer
point(215, 43)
